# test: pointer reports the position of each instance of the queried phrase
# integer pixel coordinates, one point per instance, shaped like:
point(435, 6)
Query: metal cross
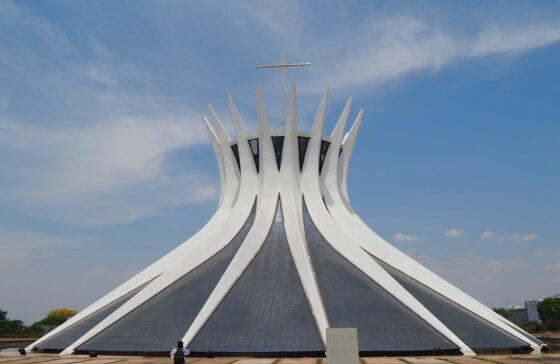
point(282, 66)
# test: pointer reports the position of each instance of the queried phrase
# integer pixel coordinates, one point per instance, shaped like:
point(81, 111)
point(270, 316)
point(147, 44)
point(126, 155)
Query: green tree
point(16, 328)
point(553, 324)
point(532, 326)
point(10, 328)
point(549, 308)
point(58, 316)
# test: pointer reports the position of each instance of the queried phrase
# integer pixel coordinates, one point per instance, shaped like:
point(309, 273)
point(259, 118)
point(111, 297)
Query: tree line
point(17, 328)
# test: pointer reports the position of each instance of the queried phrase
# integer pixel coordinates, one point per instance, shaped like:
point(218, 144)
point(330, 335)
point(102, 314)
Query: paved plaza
point(102, 359)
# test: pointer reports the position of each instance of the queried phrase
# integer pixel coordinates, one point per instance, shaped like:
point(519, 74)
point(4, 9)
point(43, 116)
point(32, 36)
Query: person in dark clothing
point(179, 353)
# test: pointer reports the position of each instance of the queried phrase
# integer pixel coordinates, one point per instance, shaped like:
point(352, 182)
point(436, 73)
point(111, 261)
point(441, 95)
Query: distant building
point(532, 311)
point(522, 315)
point(517, 315)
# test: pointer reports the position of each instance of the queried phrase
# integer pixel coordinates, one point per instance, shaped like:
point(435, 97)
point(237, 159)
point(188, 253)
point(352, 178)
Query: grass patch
point(405, 361)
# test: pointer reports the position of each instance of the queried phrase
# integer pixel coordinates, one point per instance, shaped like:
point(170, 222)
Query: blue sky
point(105, 165)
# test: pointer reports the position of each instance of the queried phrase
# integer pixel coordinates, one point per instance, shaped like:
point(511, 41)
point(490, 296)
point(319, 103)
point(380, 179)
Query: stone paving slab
point(534, 359)
point(142, 360)
point(11, 357)
point(424, 360)
point(381, 360)
point(70, 360)
point(464, 360)
point(460, 360)
point(513, 361)
point(298, 361)
point(15, 358)
point(27, 359)
point(522, 359)
point(154, 360)
point(105, 360)
point(494, 359)
point(223, 360)
point(33, 359)
point(548, 358)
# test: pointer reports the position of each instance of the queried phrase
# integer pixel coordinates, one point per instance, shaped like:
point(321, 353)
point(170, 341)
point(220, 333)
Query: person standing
point(179, 353)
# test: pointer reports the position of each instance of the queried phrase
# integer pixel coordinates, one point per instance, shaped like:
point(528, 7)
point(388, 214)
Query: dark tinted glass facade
point(254, 145)
point(324, 148)
point(278, 143)
point(303, 142)
point(266, 310)
point(161, 321)
point(235, 149)
point(66, 337)
point(474, 331)
point(352, 299)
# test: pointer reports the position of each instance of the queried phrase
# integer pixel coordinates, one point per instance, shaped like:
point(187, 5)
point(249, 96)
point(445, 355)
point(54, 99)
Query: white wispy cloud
point(94, 148)
point(403, 238)
point(553, 267)
point(107, 172)
point(489, 235)
point(392, 47)
point(549, 253)
point(453, 233)
point(18, 245)
point(517, 237)
point(384, 45)
point(505, 265)
point(513, 38)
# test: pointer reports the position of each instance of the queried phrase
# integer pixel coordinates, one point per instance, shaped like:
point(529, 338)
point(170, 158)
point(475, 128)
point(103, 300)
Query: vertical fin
point(289, 148)
point(218, 153)
point(230, 164)
point(338, 130)
point(291, 125)
point(348, 148)
point(262, 116)
point(267, 160)
point(245, 154)
point(221, 132)
point(311, 163)
point(329, 174)
point(237, 122)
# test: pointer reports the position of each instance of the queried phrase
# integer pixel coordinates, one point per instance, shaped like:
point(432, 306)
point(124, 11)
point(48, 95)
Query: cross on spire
point(282, 66)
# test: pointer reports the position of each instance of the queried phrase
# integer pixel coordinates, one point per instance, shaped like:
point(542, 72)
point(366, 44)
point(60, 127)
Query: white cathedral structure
point(283, 258)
